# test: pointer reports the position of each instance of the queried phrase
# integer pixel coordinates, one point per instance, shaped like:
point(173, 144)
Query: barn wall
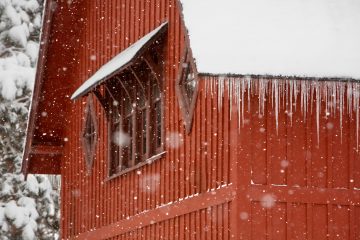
point(210, 223)
point(294, 182)
point(193, 186)
point(195, 171)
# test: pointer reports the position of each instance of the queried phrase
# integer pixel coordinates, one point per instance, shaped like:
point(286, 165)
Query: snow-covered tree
point(28, 209)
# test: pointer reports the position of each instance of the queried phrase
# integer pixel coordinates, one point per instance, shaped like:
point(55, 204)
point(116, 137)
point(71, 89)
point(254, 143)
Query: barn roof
point(119, 62)
point(317, 38)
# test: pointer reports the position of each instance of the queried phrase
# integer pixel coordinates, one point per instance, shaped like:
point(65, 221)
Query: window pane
point(127, 143)
point(155, 94)
point(125, 105)
point(115, 150)
point(115, 114)
point(89, 133)
point(141, 136)
point(158, 124)
point(125, 157)
point(190, 88)
point(115, 156)
point(129, 83)
point(141, 97)
point(138, 112)
point(144, 150)
point(190, 83)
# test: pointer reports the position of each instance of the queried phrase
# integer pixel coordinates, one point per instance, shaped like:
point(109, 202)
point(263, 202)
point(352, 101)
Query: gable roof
point(317, 38)
point(119, 62)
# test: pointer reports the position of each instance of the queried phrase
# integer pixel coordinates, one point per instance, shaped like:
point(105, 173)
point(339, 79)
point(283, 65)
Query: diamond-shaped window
point(89, 135)
point(188, 82)
point(187, 89)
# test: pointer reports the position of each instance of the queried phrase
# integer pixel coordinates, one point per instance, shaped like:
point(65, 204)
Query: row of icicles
point(332, 97)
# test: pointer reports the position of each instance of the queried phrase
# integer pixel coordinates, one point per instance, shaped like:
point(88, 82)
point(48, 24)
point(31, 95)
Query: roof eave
point(270, 76)
point(42, 57)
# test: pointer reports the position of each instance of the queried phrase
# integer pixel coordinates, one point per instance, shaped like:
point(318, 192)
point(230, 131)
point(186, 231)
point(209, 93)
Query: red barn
point(200, 119)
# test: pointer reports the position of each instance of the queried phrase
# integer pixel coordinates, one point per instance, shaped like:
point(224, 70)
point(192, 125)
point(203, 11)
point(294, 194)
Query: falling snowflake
point(244, 216)
point(174, 140)
point(268, 201)
point(120, 138)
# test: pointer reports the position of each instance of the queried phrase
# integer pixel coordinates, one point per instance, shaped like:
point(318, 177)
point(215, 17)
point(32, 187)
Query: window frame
point(89, 151)
point(152, 153)
point(187, 105)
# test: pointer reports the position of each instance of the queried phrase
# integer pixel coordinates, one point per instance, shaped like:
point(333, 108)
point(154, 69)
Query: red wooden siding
point(210, 223)
point(213, 185)
point(90, 201)
point(291, 187)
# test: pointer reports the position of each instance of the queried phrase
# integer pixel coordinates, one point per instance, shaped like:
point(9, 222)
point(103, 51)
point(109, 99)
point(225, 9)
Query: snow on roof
point(316, 38)
point(118, 63)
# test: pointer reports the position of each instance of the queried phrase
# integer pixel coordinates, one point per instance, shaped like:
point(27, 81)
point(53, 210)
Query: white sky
point(316, 38)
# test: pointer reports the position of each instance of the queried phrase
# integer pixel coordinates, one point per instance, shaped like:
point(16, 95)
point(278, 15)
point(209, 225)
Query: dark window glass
point(143, 132)
point(158, 124)
point(138, 110)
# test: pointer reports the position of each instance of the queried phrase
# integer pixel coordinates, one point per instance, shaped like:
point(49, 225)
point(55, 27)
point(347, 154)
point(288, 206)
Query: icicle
point(326, 92)
point(334, 96)
point(242, 86)
point(276, 94)
point(237, 85)
point(206, 86)
point(357, 128)
point(356, 106)
point(248, 89)
point(341, 108)
point(262, 96)
point(230, 92)
point(291, 100)
point(221, 83)
point(284, 93)
point(349, 94)
point(303, 98)
point(272, 94)
point(318, 102)
point(312, 96)
point(295, 93)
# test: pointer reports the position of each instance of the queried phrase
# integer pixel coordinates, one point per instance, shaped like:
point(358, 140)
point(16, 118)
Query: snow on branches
point(29, 209)
point(20, 23)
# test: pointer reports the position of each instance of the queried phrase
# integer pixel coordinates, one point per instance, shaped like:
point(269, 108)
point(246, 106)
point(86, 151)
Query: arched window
point(135, 117)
